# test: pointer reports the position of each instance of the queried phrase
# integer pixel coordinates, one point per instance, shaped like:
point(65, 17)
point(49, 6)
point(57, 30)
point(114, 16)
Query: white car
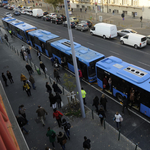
point(125, 31)
point(23, 12)
point(13, 6)
point(53, 15)
point(8, 14)
point(29, 12)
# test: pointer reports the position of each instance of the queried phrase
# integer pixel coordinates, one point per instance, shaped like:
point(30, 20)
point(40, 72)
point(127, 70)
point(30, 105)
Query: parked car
point(1, 4)
point(63, 17)
point(6, 6)
point(88, 22)
point(82, 27)
point(8, 14)
point(47, 18)
point(10, 8)
point(23, 12)
point(45, 13)
point(29, 12)
point(72, 24)
point(53, 15)
point(16, 9)
point(148, 39)
point(74, 19)
point(57, 20)
point(13, 6)
point(17, 13)
point(125, 31)
point(135, 40)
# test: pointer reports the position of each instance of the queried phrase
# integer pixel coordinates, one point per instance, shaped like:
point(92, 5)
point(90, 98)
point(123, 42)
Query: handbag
point(64, 141)
point(121, 119)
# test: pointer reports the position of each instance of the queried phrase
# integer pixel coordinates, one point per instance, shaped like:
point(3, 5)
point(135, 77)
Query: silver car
point(8, 14)
point(81, 27)
point(125, 31)
point(148, 39)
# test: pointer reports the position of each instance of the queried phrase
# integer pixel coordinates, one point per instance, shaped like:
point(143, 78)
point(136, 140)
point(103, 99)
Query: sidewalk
point(100, 138)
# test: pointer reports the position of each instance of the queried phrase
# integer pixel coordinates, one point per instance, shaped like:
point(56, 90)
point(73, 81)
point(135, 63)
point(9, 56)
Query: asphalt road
point(134, 128)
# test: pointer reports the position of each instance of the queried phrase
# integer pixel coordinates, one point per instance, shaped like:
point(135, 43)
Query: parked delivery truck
point(37, 12)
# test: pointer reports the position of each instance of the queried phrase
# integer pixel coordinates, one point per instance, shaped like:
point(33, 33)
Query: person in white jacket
point(118, 119)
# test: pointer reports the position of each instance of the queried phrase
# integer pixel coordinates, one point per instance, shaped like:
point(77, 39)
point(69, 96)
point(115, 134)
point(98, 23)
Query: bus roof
point(25, 27)
point(84, 54)
point(8, 19)
point(17, 22)
point(129, 72)
point(43, 35)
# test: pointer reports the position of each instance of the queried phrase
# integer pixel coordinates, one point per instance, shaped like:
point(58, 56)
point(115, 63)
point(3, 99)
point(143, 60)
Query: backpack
point(53, 135)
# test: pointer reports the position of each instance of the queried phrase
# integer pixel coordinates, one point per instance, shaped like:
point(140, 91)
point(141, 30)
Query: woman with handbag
point(62, 139)
point(26, 87)
point(118, 119)
point(58, 100)
point(58, 115)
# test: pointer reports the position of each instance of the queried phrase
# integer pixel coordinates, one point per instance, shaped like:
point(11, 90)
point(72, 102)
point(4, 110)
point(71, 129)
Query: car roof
point(136, 35)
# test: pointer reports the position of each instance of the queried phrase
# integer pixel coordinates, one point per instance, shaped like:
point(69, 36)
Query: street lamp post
point(74, 60)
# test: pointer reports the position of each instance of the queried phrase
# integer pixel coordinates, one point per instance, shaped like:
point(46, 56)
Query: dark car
point(47, 18)
point(45, 13)
point(6, 6)
point(17, 13)
point(63, 17)
point(10, 8)
point(1, 4)
point(57, 20)
point(72, 24)
point(88, 22)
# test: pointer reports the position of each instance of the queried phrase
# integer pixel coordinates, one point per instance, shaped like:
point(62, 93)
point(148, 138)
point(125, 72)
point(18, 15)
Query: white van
point(105, 30)
point(37, 12)
point(135, 40)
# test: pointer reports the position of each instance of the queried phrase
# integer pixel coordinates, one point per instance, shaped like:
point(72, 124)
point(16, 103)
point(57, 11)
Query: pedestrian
point(29, 68)
point(132, 97)
point(21, 111)
point(52, 60)
point(118, 119)
point(80, 75)
point(26, 87)
point(25, 56)
point(42, 66)
point(43, 48)
point(56, 88)
point(105, 83)
point(49, 89)
point(141, 19)
point(83, 95)
point(29, 54)
point(21, 52)
point(86, 143)
point(39, 55)
point(122, 15)
point(6, 37)
point(58, 100)
point(58, 115)
point(22, 122)
point(62, 62)
point(31, 79)
point(85, 10)
point(52, 100)
point(4, 79)
point(41, 114)
point(125, 105)
point(56, 75)
point(110, 83)
point(62, 139)
point(72, 9)
point(9, 76)
point(67, 127)
point(96, 103)
point(101, 115)
point(80, 9)
point(113, 12)
point(23, 78)
point(10, 32)
point(103, 101)
point(52, 135)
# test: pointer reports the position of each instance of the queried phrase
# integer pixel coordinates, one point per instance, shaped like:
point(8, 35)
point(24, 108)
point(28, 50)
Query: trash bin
point(100, 18)
point(38, 71)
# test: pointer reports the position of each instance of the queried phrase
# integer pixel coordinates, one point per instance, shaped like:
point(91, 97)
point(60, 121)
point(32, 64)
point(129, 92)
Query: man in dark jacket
point(29, 68)
point(41, 114)
point(42, 66)
point(31, 79)
point(103, 101)
point(96, 102)
point(86, 143)
point(125, 104)
point(61, 138)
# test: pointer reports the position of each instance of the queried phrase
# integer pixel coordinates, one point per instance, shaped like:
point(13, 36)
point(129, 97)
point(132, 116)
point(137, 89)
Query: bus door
point(32, 40)
point(42, 44)
point(83, 68)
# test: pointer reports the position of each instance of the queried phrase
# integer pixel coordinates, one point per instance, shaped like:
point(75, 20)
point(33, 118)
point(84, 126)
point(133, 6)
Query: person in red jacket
point(80, 75)
point(58, 115)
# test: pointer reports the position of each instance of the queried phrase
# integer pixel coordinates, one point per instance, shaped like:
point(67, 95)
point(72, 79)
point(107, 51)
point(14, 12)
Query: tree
point(54, 2)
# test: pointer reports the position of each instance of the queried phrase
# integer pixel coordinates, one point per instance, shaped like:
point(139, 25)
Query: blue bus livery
point(126, 79)
point(86, 58)
point(6, 22)
point(41, 39)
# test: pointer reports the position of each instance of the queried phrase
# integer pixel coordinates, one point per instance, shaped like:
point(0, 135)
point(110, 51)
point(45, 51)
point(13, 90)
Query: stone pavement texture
point(37, 140)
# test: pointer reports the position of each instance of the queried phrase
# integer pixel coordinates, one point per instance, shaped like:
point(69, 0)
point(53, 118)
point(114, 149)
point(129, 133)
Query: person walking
point(96, 103)
point(83, 95)
point(103, 101)
point(29, 54)
point(6, 37)
point(67, 127)
point(26, 87)
point(56, 75)
point(23, 78)
point(101, 115)
point(4, 79)
point(110, 83)
point(29, 68)
point(85, 10)
point(39, 55)
point(141, 19)
point(86, 143)
point(56, 88)
point(41, 114)
point(52, 60)
point(52, 135)
point(58, 115)
point(9, 76)
point(49, 89)
point(52, 100)
point(25, 56)
point(10, 32)
point(31, 79)
point(62, 139)
point(118, 120)
point(58, 100)
point(122, 15)
point(42, 66)
point(125, 105)
point(80, 75)
point(21, 111)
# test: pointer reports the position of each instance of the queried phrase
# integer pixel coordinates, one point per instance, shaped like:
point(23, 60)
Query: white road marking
point(90, 43)
point(114, 52)
point(144, 64)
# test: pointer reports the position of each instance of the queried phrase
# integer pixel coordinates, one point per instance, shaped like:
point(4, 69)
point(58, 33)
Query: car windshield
point(8, 13)
point(132, 31)
point(74, 18)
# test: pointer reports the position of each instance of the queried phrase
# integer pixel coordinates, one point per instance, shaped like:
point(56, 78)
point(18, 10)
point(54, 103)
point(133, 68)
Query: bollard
point(92, 114)
point(119, 135)
point(63, 90)
point(104, 124)
point(136, 145)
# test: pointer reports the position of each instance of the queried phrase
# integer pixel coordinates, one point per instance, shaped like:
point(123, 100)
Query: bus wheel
point(119, 97)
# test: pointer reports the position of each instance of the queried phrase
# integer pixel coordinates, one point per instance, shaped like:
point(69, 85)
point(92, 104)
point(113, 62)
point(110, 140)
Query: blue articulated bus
point(127, 80)
point(6, 22)
point(41, 40)
point(86, 58)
